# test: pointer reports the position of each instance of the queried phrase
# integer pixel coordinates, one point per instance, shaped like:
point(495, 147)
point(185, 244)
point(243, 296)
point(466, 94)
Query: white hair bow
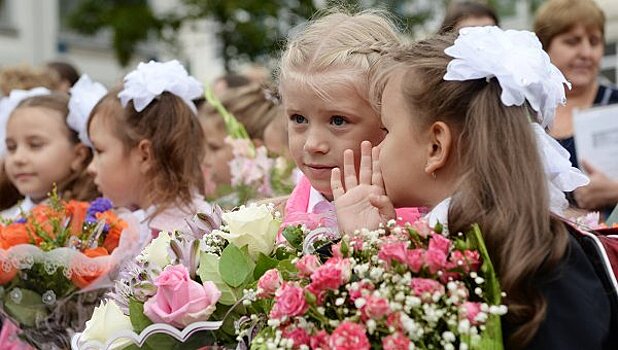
point(151, 79)
point(84, 96)
point(8, 105)
point(525, 73)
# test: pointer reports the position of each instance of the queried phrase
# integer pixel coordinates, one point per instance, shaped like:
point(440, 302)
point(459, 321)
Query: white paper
point(596, 138)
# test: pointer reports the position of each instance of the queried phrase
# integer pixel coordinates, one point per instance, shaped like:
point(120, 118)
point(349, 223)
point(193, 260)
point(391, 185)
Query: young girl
point(148, 149)
point(474, 160)
point(323, 82)
point(42, 150)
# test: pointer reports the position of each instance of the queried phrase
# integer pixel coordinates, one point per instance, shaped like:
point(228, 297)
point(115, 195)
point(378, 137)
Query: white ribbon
point(84, 96)
point(8, 105)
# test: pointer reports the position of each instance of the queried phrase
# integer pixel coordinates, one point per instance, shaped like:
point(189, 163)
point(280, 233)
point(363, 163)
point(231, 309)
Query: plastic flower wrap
point(409, 287)
point(57, 261)
point(255, 173)
point(189, 288)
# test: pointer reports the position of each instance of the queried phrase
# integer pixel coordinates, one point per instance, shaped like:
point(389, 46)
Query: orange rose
point(116, 225)
point(15, 234)
point(43, 215)
point(83, 280)
point(77, 211)
point(6, 277)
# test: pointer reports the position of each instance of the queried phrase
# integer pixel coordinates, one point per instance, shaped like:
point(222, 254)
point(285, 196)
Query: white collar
point(315, 197)
point(439, 214)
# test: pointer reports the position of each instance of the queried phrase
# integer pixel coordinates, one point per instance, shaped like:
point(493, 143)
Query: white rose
point(157, 252)
point(254, 226)
point(107, 320)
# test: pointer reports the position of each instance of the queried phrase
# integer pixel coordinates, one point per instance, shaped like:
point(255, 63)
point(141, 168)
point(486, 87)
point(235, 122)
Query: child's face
point(403, 152)
point(116, 170)
point(39, 151)
point(218, 152)
point(319, 131)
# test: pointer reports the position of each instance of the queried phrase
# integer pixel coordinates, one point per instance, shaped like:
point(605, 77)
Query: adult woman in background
point(573, 32)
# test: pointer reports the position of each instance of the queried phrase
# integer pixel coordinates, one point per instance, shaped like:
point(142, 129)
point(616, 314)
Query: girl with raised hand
point(468, 109)
point(43, 149)
point(148, 146)
point(324, 86)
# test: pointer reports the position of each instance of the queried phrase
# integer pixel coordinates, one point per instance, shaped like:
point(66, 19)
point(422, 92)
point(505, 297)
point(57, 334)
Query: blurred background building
point(37, 31)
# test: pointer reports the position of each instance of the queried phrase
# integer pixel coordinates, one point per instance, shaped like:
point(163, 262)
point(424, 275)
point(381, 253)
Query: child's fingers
point(376, 177)
point(384, 205)
point(365, 163)
point(335, 183)
point(349, 173)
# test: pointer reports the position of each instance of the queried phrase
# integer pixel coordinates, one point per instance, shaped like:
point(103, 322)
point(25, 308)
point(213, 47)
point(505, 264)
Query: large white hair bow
point(151, 79)
point(84, 96)
point(8, 105)
point(525, 73)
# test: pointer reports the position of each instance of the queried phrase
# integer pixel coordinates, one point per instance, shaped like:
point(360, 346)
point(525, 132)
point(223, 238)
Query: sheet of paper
point(596, 138)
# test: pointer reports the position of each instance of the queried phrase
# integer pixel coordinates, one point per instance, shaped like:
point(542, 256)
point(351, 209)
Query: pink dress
point(323, 213)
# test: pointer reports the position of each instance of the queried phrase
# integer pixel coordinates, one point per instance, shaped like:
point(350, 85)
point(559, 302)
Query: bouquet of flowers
point(188, 289)
point(55, 261)
point(394, 288)
point(255, 173)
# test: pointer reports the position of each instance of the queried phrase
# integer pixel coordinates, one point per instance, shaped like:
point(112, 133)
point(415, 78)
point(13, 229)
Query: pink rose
point(297, 334)
point(470, 310)
point(376, 307)
point(9, 337)
point(394, 320)
point(425, 288)
point(415, 259)
point(473, 258)
point(439, 242)
point(179, 300)
point(422, 228)
point(349, 336)
point(289, 301)
point(468, 260)
point(394, 251)
point(356, 293)
point(397, 341)
point(435, 260)
point(307, 265)
point(336, 250)
point(334, 273)
point(269, 283)
point(319, 341)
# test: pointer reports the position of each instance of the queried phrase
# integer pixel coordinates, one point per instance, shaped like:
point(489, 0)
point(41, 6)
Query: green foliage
point(209, 271)
point(28, 310)
point(235, 266)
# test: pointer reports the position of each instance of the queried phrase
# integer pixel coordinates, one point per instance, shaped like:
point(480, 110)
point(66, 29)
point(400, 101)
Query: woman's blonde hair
point(80, 185)
point(25, 77)
point(254, 106)
point(502, 185)
point(341, 43)
point(555, 17)
point(176, 138)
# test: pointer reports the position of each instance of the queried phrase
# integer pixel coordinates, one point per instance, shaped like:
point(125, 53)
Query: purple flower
point(98, 205)
point(21, 221)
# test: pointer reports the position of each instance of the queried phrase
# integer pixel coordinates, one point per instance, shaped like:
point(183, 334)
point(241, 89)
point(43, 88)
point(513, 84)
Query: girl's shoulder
point(15, 211)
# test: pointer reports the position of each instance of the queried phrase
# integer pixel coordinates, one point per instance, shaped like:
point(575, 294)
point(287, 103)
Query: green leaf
point(209, 271)
point(235, 266)
point(28, 310)
point(136, 314)
point(263, 264)
point(294, 235)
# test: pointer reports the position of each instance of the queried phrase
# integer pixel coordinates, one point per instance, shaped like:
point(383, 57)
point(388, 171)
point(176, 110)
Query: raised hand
point(602, 191)
point(362, 203)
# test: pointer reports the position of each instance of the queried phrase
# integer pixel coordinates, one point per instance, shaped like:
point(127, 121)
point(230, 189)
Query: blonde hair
point(79, 185)
point(175, 135)
point(522, 238)
point(556, 17)
point(253, 105)
point(348, 44)
point(25, 77)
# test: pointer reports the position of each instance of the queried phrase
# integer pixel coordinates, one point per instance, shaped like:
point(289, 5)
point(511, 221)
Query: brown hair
point(252, 105)
point(555, 17)
point(176, 139)
point(80, 185)
point(523, 240)
point(25, 77)
point(458, 11)
point(65, 71)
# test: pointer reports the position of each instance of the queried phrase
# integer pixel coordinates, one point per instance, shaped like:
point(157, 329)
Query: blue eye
point(298, 119)
point(338, 120)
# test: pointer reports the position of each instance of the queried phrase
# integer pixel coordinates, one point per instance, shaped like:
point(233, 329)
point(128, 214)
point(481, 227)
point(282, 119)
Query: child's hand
point(362, 203)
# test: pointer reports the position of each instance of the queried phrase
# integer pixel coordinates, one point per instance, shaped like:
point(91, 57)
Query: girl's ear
point(441, 137)
point(81, 154)
point(144, 155)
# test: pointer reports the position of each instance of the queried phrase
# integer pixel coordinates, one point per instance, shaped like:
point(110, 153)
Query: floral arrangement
point(196, 282)
point(256, 174)
point(55, 260)
point(394, 288)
